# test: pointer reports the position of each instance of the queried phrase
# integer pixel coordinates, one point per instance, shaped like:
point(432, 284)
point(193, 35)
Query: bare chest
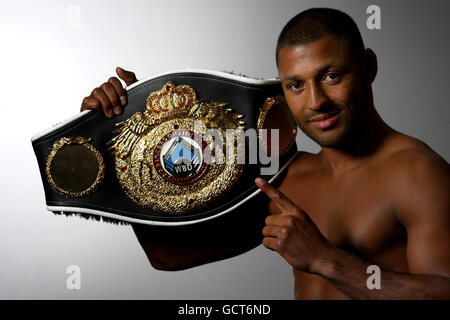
point(354, 213)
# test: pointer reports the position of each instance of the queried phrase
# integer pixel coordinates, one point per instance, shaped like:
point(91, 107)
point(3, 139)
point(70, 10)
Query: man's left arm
point(422, 206)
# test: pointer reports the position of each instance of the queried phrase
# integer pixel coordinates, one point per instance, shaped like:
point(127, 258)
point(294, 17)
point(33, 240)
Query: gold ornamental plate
point(161, 163)
point(275, 114)
point(74, 167)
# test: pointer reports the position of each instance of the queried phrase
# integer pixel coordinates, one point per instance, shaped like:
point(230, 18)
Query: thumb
point(127, 76)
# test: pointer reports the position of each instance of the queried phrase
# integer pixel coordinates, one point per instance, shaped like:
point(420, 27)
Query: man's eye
point(332, 75)
point(295, 85)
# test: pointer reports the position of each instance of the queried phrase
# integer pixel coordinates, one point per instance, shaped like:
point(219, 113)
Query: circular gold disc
point(275, 114)
point(74, 167)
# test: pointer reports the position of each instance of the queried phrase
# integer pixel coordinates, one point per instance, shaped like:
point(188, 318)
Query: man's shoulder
point(418, 180)
point(403, 159)
point(304, 162)
point(411, 158)
point(416, 174)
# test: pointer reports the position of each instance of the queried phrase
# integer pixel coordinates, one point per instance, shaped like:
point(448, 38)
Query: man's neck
point(368, 140)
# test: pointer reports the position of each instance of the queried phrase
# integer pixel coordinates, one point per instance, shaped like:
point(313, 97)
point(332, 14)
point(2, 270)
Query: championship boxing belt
point(165, 160)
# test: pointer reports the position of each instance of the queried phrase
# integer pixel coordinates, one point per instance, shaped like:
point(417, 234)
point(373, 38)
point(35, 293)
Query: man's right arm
point(183, 247)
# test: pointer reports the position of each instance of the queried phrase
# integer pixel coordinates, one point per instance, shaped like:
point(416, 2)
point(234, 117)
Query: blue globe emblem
point(181, 157)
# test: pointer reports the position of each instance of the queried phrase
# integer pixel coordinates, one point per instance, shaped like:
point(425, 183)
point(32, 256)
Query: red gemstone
point(124, 169)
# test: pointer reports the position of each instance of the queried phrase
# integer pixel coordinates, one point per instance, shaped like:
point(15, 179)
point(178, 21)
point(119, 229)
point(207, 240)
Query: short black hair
point(315, 23)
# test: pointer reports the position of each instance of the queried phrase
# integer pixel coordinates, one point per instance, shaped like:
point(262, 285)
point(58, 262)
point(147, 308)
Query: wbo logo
point(178, 158)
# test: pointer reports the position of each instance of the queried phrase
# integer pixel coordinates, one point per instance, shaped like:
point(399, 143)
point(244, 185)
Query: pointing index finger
point(280, 200)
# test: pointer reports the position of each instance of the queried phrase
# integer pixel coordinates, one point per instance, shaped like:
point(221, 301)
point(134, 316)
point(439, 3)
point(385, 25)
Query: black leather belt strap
point(89, 133)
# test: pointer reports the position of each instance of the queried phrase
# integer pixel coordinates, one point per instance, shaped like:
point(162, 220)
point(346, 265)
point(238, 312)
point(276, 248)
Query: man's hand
point(110, 97)
point(292, 233)
point(298, 240)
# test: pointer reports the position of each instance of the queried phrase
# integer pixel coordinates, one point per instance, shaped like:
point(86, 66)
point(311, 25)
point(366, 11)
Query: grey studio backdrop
point(53, 53)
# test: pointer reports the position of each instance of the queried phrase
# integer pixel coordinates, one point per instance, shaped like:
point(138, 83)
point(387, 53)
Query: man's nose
point(316, 97)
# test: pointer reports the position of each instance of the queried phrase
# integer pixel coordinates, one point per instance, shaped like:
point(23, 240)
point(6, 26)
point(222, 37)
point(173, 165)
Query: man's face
point(324, 89)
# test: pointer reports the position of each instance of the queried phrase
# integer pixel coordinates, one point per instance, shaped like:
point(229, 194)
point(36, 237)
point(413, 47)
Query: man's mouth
point(326, 120)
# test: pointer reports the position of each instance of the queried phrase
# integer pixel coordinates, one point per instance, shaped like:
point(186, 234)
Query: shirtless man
point(371, 196)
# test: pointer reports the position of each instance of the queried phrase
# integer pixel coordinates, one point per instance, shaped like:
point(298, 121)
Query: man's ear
point(370, 65)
